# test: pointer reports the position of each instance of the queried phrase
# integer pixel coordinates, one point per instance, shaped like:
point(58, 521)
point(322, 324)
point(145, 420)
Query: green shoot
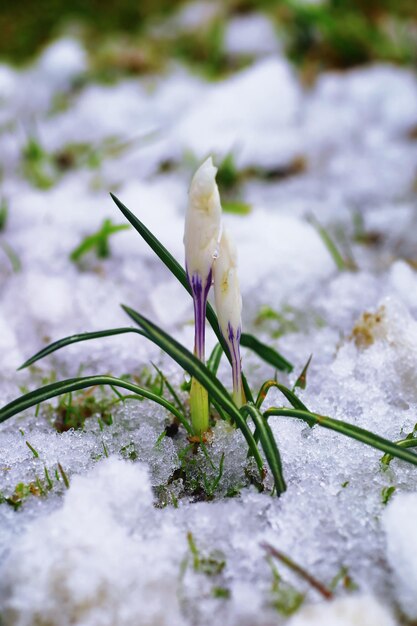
point(210, 565)
point(12, 256)
point(337, 257)
point(285, 598)
point(64, 476)
point(32, 449)
point(301, 381)
point(387, 493)
point(236, 207)
point(4, 211)
point(98, 242)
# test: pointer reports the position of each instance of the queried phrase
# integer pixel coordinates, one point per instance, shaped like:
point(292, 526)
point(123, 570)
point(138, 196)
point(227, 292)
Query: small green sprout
point(64, 476)
point(387, 493)
point(222, 593)
point(236, 207)
point(23, 491)
point(285, 598)
point(12, 256)
point(32, 449)
point(211, 565)
point(344, 579)
point(4, 212)
point(98, 241)
point(301, 381)
point(38, 167)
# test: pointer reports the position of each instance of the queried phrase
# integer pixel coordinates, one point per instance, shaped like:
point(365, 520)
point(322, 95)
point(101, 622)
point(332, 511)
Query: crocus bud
point(229, 308)
point(201, 237)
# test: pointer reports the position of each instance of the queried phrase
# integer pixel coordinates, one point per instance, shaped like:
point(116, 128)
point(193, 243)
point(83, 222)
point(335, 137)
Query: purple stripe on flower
point(234, 345)
point(200, 293)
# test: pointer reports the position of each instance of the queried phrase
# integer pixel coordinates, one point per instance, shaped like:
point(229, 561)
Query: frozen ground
point(114, 549)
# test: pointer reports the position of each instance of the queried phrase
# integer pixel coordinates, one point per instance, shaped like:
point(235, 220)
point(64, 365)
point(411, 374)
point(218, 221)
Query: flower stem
point(199, 406)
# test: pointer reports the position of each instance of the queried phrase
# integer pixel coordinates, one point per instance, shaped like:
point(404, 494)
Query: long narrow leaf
point(200, 372)
point(265, 352)
point(290, 395)
point(67, 341)
point(408, 442)
point(349, 430)
point(170, 389)
point(269, 446)
point(214, 359)
point(52, 390)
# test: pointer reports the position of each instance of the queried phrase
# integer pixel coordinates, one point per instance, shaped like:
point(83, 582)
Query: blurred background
point(133, 37)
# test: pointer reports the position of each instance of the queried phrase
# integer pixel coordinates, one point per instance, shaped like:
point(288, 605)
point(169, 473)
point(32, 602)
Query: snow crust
point(93, 561)
point(354, 611)
point(398, 522)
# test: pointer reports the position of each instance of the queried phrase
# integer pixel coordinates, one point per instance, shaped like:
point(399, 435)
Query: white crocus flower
point(201, 237)
point(229, 307)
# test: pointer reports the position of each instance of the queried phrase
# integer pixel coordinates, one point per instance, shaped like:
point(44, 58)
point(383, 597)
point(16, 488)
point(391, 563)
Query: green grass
point(336, 33)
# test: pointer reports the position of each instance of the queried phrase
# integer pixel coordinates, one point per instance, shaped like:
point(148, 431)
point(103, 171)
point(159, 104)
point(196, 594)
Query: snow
point(398, 523)
point(251, 35)
point(355, 611)
point(224, 119)
point(98, 568)
point(113, 549)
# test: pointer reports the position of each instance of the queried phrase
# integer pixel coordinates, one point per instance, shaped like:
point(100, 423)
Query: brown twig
point(300, 571)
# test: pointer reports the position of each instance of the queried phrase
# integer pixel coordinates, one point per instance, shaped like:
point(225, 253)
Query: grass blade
point(338, 259)
point(349, 430)
point(409, 442)
point(268, 444)
point(290, 395)
point(302, 379)
point(52, 390)
point(214, 359)
point(67, 341)
point(265, 352)
point(170, 388)
point(200, 372)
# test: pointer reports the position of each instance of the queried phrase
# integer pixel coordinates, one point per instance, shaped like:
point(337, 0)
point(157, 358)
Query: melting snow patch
point(92, 563)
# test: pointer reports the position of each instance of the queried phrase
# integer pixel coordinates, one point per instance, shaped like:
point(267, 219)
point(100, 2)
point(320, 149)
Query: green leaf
point(330, 245)
point(200, 372)
point(4, 210)
point(214, 359)
point(52, 390)
point(302, 379)
point(67, 341)
point(12, 256)
point(236, 208)
point(349, 430)
point(99, 241)
point(268, 444)
point(170, 388)
point(265, 352)
point(408, 442)
point(290, 395)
